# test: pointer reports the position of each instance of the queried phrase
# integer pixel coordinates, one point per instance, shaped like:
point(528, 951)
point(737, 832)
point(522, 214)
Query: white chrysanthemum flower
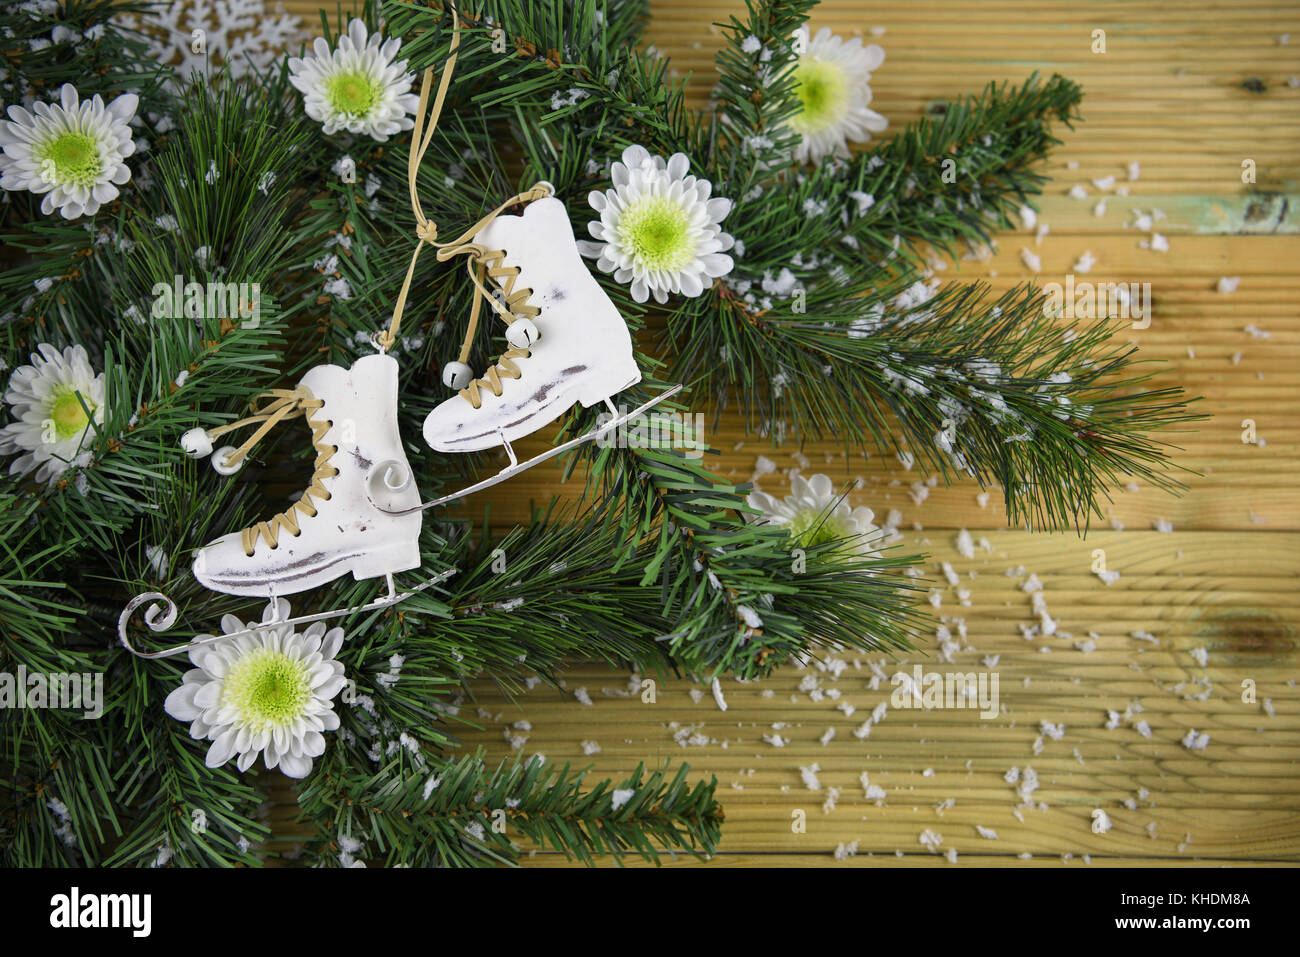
point(72, 151)
point(814, 515)
point(356, 87)
point(658, 229)
point(831, 80)
point(49, 422)
point(270, 692)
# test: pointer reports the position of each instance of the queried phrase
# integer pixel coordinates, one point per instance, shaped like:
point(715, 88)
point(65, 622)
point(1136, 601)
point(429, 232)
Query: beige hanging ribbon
point(426, 231)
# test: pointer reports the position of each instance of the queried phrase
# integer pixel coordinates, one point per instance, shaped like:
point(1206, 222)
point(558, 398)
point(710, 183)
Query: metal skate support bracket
point(160, 618)
point(514, 462)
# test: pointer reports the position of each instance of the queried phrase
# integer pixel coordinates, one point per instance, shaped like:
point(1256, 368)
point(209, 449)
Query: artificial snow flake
point(270, 692)
point(49, 423)
point(832, 81)
point(71, 151)
point(356, 87)
point(815, 515)
point(658, 229)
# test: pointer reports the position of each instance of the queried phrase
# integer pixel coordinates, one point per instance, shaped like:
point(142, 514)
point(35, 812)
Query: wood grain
point(1167, 93)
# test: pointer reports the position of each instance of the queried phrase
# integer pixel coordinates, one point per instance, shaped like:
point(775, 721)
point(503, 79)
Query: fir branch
point(958, 172)
point(468, 814)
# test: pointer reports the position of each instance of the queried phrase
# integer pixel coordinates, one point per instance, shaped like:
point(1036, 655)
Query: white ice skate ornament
point(338, 525)
point(568, 343)
point(575, 348)
point(333, 528)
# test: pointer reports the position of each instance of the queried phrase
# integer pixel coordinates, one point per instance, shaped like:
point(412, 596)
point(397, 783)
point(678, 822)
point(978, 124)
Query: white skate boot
point(337, 526)
point(578, 349)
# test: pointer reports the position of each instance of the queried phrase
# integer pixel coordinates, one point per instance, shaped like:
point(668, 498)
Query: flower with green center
point(270, 692)
point(72, 157)
point(49, 424)
point(814, 516)
point(658, 233)
point(355, 93)
point(356, 87)
point(658, 228)
point(68, 415)
point(267, 688)
point(71, 151)
point(832, 81)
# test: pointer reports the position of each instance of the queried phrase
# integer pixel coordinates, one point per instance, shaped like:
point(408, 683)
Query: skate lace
point(481, 263)
point(282, 404)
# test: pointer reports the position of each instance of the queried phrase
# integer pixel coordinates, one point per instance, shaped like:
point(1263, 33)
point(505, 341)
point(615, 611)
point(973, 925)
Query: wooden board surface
point(1168, 94)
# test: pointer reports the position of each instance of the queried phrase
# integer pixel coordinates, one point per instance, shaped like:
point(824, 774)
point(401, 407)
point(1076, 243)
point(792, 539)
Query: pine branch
point(468, 814)
point(956, 174)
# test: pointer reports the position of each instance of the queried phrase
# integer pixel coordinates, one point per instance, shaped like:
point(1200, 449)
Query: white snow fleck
point(931, 840)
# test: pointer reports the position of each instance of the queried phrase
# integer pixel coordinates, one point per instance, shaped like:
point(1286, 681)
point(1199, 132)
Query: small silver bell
point(456, 375)
point(196, 443)
point(522, 333)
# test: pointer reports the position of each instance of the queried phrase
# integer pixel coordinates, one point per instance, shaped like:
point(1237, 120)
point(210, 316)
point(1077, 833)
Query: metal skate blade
point(510, 471)
point(168, 617)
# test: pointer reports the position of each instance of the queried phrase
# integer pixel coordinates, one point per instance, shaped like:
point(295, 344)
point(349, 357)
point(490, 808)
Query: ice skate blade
point(513, 470)
point(362, 563)
point(157, 624)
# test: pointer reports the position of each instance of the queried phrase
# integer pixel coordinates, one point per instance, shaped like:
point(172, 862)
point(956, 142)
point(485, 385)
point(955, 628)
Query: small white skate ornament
point(338, 524)
point(568, 343)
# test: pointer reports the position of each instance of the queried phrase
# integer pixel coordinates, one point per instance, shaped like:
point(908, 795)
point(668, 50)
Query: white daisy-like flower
point(658, 228)
point(49, 422)
point(832, 82)
point(814, 515)
point(71, 151)
point(270, 693)
point(356, 87)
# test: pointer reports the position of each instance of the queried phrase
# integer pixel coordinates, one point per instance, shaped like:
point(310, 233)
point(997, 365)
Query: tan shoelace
point(283, 404)
point(481, 262)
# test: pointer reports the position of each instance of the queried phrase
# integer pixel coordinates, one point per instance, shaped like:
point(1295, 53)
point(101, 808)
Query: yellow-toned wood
point(1167, 93)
